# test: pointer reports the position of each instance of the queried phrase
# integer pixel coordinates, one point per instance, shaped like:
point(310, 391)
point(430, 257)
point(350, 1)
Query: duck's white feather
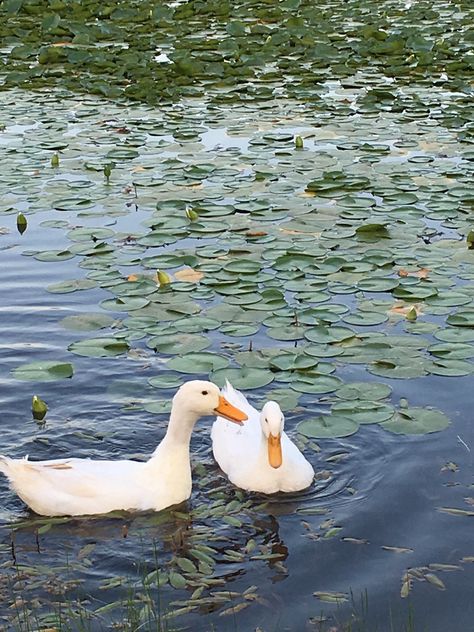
point(241, 452)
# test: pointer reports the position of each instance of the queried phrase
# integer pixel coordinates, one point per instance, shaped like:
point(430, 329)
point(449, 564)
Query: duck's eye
point(266, 420)
point(204, 393)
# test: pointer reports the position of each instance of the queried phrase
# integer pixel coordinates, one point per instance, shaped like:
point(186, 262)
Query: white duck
point(259, 456)
point(83, 486)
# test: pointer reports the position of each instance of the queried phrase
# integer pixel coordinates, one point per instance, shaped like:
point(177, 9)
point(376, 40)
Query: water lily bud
point(21, 223)
point(55, 160)
point(470, 240)
point(39, 408)
point(298, 142)
point(108, 171)
point(191, 214)
point(163, 278)
point(411, 315)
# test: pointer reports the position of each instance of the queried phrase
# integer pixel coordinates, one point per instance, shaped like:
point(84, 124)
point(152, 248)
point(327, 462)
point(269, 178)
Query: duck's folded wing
point(76, 477)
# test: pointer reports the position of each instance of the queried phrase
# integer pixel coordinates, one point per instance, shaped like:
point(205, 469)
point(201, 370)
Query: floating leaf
point(44, 371)
point(416, 421)
point(202, 362)
point(363, 412)
point(86, 322)
point(245, 378)
point(327, 426)
point(370, 391)
point(99, 347)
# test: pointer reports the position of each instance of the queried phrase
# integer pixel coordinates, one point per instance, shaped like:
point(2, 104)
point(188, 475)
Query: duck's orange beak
point(226, 410)
point(275, 457)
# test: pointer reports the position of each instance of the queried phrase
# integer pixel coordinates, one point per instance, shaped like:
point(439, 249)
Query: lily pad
point(416, 421)
point(86, 322)
point(44, 371)
point(363, 412)
point(245, 378)
point(369, 391)
point(178, 344)
point(202, 362)
point(99, 347)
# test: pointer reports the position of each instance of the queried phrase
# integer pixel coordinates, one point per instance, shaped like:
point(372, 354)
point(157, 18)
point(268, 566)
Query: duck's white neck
point(180, 427)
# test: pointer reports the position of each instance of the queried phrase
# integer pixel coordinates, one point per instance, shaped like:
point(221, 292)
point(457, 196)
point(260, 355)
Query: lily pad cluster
point(153, 52)
point(282, 264)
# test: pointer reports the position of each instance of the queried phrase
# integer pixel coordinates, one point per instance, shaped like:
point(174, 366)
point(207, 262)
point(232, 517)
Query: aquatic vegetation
point(270, 192)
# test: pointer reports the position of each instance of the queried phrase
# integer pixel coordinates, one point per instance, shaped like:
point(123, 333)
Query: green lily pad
point(325, 334)
point(245, 378)
point(44, 371)
point(369, 391)
point(165, 380)
point(416, 421)
point(158, 406)
point(125, 304)
point(202, 362)
point(99, 347)
point(461, 318)
point(86, 322)
point(285, 397)
point(54, 255)
point(403, 367)
point(455, 334)
point(65, 287)
point(327, 427)
point(317, 385)
point(238, 329)
point(451, 368)
point(363, 412)
point(178, 344)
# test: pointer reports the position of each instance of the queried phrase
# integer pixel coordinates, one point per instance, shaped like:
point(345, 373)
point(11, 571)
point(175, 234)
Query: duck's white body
point(243, 452)
point(85, 486)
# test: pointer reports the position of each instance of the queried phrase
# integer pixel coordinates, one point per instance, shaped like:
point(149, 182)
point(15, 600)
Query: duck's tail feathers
point(8, 466)
point(4, 463)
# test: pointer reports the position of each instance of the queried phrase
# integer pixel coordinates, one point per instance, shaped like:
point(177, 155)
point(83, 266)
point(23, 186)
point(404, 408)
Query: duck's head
point(273, 422)
point(204, 398)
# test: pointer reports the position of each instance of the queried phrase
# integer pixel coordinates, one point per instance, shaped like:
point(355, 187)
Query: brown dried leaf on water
point(397, 549)
point(403, 309)
point(331, 597)
point(418, 573)
point(178, 612)
point(235, 609)
point(469, 500)
point(189, 275)
point(132, 277)
point(435, 581)
point(85, 551)
point(455, 511)
point(468, 558)
point(406, 585)
point(450, 466)
point(330, 533)
point(256, 233)
point(444, 567)
point(355, 540)
point(422, 273)
point(335, 458)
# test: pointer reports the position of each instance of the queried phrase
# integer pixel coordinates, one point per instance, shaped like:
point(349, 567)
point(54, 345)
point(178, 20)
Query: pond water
point(383, 537)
